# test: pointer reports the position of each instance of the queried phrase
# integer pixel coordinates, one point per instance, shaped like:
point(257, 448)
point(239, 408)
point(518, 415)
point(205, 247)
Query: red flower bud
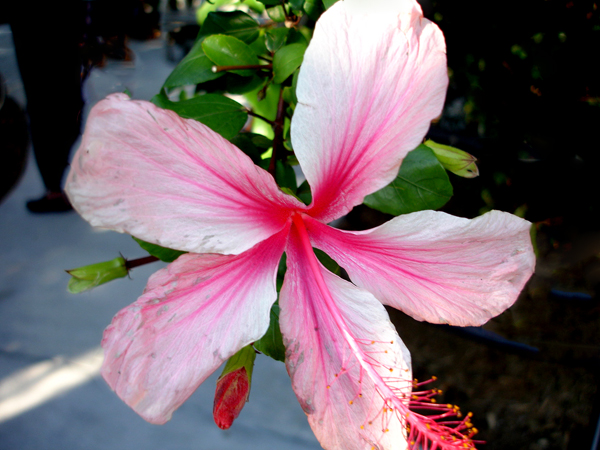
point(231, 395)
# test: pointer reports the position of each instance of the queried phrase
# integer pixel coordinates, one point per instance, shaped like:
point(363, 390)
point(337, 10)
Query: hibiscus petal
point(193, 315)
point(349, 369)
point(437, 267)
point(171, 181)
point(369, 86)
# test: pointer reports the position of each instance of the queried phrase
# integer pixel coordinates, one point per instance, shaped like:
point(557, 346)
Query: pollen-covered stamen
point(435, 431)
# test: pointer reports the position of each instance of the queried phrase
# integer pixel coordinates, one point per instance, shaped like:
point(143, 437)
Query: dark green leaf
point(313, 8)
point(276, 38)
point(234, 23)
point(271, 344)
point(422, 183)
point(297, 4)
point(223, 115)
point(285, 176)
point(276, 13)
point(326, 260)
point(253, 145)
point(270, 2)
point(162, 253)
point(226, 50)
point(329, 3)
point(304, 193)
point(235, 84)
point(195, 68)
point(296, 37)
point(286, 60)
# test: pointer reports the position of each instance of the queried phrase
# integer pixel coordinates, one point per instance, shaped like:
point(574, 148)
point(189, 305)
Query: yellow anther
point(449, 406)
point(372, 342)
point(470, 414)
point(391, 342)
point(386, 430)
point(433, 400)
point(434, 378)
point(350, 402)
point(328, 387)
point(336, 375)
point(370, 423)
point(362, 427)
point(391, 370)
point(360, 395)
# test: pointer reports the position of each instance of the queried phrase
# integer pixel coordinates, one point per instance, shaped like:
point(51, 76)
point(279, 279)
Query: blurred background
point(524, 99)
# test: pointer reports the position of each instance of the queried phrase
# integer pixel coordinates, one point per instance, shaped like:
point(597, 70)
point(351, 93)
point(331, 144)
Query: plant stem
point(278, 130)
point(130, 264)
point(217, 69)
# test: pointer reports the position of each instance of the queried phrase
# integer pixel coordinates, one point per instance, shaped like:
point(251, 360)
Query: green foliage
point(422, 183)
point(235, 23)
point(271, 344)
point(195, 68)
point(220, 113)
point(286, 60)
point(162, 253)
point(224, 50)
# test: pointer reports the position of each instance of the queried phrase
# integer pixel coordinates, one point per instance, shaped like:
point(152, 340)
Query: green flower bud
point(87, 277)
point(454, 160)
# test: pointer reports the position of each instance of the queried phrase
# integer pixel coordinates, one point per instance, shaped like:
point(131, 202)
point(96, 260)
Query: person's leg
point(46, 38)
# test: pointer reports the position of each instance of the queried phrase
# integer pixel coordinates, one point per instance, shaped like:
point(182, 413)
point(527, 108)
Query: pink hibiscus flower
point(368, 88)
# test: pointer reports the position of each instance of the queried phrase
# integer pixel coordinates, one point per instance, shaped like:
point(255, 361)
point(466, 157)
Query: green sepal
point(162, 253)
point(243, 358)
point(455, 160)
point(271, 344)
point(422, 183)
point(88, 277)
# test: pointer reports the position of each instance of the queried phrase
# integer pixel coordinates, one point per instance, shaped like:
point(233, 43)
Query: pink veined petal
point(368, 88)
point(349, 369)
point(193, 315)
point(437, 267)
point(171, 181)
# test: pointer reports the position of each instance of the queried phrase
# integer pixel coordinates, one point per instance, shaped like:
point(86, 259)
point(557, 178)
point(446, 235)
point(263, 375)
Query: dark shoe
point(51, 202)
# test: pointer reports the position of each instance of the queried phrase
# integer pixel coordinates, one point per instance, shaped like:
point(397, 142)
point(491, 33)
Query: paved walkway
point(51, 396)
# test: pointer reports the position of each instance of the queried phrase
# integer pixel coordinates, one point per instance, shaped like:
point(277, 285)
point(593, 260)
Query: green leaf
point(195, 68)
point(162, 253)
point(304, 193)
point(235, 84)
point(276, 37)
point(422, 183)
point(226, 50)
point(297, 37)
point(235, 23)
point(327, 261)
point(285, 176)
point(270, 2)
point(252, 145)
point(271, 344)
point(88, 277)
point(286, 60)
point(329, 3)
point(223, 115)
point(313, 8)
point(276, 13)
point(297, 4)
